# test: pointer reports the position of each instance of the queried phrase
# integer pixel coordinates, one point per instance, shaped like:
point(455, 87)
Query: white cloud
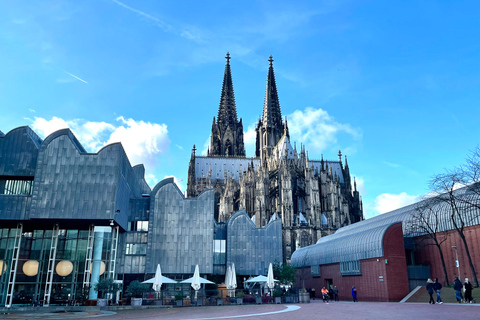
point(387, 202)
point(31, 110)
point(317, 129)
point(143, 141)
point(249, 139)
point(46, 127)
point(92, 135)
point(151, 179)
point(360, 185)
point(206, 145)
point(179, 147)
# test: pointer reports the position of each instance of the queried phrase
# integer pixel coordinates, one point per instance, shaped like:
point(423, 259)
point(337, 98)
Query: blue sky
point(394, 84)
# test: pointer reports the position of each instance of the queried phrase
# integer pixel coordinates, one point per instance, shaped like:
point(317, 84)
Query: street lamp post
point(456, 261)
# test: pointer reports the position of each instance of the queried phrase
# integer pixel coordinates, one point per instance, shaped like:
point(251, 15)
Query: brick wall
point(394, 286)
point(428, 254)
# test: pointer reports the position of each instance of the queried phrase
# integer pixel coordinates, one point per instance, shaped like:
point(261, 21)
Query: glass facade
point(33, 259)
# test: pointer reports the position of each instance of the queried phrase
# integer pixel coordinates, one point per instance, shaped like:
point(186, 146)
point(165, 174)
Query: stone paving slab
point(314, 310)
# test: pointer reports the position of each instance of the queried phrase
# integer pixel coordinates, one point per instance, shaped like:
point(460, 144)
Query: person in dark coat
point(354, 294)
point(335, 293)
point(457, 286)
point(468, 291)
point(429, 287)
point(437, 286)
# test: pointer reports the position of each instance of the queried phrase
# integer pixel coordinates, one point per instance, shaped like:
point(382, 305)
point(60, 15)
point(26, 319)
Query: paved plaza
point(314, 310)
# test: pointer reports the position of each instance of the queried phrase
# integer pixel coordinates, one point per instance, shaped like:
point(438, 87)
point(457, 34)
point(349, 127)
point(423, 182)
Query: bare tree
point(426, 221)
point(464, 203)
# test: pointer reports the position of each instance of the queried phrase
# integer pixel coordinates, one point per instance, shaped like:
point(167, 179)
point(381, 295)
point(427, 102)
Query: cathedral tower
point(270, 129)
point(227, 131)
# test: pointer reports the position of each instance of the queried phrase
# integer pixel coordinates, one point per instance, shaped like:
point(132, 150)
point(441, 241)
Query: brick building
point(387, 256)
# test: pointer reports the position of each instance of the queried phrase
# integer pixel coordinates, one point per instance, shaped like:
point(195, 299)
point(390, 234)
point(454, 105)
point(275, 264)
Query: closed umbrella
point(233, 282)
point(157, 281)
point(270, 280)
point(228, 280)
point(196, 281)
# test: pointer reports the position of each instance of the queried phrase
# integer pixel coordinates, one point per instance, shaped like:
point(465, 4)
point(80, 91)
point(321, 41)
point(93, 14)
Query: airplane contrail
point(74, 76)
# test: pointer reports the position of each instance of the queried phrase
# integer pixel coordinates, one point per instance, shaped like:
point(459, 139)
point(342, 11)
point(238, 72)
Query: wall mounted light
point(30, 268)
point(64, 268)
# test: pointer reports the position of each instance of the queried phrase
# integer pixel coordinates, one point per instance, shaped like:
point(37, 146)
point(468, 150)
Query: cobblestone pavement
point(314, 310)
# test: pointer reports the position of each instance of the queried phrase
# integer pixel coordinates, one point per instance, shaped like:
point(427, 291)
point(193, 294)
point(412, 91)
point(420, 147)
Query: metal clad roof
point(282, 145)
point(364, 239)
point(347, 246)
point(219, 164)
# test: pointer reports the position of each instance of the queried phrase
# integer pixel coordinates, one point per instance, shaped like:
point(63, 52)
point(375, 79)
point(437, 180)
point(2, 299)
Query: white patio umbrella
point(202, 281)
point(196, 281)
point(164, 280)
point(157, 280)
point(270, 280)
point(228, 279)
point(233, 282)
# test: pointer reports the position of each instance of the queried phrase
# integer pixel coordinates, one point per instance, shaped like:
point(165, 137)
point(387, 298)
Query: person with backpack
point(458, 286)
point(437, 286)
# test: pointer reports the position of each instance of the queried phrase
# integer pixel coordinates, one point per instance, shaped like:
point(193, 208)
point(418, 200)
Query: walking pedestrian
point(354, 294)
point(457, 286)
point(325, 295)
point(468, 291)
point(429, 287)
point(335, 293)
point(437, 286)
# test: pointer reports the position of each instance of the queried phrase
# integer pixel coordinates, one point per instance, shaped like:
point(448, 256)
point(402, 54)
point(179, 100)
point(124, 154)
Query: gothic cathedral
point(313, 198)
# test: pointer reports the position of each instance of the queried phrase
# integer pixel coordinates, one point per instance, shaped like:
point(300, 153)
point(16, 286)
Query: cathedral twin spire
point(227, 131)
point(227, 111)
point(272, 115)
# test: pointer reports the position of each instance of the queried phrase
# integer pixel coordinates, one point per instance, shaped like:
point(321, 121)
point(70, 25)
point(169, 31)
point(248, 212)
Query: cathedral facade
point(311, 198)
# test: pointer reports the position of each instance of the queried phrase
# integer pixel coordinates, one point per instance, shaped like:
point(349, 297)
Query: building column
point(96, 263)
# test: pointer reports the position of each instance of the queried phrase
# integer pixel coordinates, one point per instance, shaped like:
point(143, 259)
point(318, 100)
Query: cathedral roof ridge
point(328, 161)
point(225, 157)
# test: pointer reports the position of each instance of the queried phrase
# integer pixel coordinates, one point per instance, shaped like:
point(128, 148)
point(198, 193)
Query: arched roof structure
point(364, 240)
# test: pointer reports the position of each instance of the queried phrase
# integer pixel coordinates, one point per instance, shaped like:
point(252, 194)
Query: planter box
point(304, 297)
point(278, 300)
point(101, 302)
point(239, 300)
point(219, 302)
point(136, 302)
point(199, 302)
point(258, 300)
point(179, 303)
